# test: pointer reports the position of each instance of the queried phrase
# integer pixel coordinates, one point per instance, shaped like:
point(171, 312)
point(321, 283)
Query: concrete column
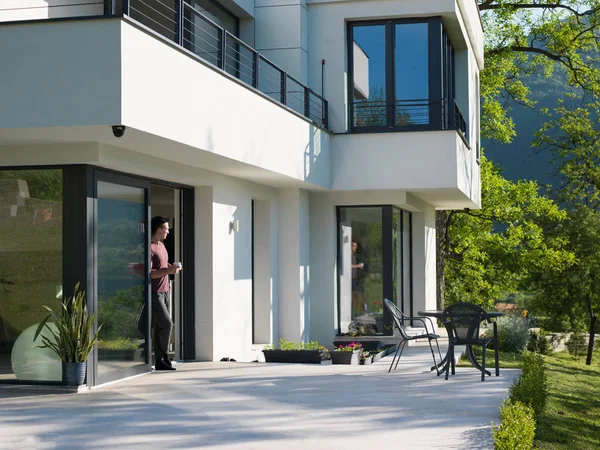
point(294, 265)
point(323, 264)
point(203, 198)
point(424, 281)
point(263, 329)
point(282, 34)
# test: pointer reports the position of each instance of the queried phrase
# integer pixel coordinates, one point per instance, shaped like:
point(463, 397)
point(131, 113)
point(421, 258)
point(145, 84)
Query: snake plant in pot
point(72, 339)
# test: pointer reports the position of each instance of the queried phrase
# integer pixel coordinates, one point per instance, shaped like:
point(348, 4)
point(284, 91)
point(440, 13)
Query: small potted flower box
point(347, 354)
point(366, 359)
point(294, 352)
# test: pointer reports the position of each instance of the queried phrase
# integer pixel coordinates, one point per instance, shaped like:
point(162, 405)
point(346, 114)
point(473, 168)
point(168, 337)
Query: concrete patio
point(228, 405)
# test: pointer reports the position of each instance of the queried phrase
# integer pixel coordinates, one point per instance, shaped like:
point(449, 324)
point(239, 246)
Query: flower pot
point(293, 356)
point(346, 357)
point(368, 360)
point(73, 373)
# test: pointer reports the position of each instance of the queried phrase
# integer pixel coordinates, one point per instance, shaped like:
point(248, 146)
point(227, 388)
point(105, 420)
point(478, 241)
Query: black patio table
point(438, 314)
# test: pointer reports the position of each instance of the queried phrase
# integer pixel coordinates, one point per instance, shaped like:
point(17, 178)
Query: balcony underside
point(94, 74)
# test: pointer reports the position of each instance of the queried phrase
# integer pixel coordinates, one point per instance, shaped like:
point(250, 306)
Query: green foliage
point(498, 248)
point(539, 343)
point(513, 333)
point(523, 38)
point(118, 344)
point(73, 341)
point(576, 344)
point(517, 427)
point(569, 295)
point(286, 345)
point(119, 313)
point(43, 184)
point(532, 387)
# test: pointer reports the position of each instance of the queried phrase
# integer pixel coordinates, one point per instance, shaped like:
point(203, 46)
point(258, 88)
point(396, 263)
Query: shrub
point(513, 333)
point(539, 343)
point(531, 388)
point(576, 344)
point(284, 344)
point(517, 427)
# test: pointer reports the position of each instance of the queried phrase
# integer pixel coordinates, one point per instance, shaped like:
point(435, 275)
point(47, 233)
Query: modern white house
point(299, 148)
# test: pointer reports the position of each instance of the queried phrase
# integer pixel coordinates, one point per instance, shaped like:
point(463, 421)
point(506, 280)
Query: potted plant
point(366, 358)
point(295, 352)
point(72, 339)
point(347, 354)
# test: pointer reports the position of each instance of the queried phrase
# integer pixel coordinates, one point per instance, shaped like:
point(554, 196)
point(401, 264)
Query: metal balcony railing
point(180, 22)
point(408, 115)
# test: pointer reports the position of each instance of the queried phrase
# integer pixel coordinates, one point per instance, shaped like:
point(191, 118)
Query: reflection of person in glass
point(160, 271)
point(357, 280)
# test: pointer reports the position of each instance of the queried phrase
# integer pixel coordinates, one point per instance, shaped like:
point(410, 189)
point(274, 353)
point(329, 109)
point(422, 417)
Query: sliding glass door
point(122, 276)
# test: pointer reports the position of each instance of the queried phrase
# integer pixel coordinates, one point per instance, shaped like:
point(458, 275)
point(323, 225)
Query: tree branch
point(489, 5)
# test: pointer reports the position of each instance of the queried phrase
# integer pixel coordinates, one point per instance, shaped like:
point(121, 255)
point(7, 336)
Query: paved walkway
point(225, 405)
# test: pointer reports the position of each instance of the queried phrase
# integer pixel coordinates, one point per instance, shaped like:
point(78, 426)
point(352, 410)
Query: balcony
point(184, 25)
point(408, 115)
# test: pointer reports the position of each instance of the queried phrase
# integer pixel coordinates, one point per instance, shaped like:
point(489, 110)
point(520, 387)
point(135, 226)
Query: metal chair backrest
point(464, 319)
point(398, 318)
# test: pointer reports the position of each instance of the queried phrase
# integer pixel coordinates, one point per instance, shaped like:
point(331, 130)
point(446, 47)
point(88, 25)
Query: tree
point(573, 138)
point(525, 37)
point(495, 249)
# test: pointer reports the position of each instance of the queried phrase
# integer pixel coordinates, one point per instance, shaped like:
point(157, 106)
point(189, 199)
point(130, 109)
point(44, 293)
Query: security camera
point(118, 130)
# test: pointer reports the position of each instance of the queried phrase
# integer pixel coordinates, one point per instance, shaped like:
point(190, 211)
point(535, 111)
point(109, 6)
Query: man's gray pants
point(162, 324)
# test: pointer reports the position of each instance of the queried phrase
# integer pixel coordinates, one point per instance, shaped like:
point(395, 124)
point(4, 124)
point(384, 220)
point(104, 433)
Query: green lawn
point(572, 416)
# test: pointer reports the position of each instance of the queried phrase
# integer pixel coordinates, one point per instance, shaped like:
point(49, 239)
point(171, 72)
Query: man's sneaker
point(161, 365)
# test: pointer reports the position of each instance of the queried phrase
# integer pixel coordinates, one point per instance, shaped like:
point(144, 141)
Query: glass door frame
point(387, 214)
point(111, 177)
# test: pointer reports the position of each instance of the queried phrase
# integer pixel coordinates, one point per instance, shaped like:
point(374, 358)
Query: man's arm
point(159, 273)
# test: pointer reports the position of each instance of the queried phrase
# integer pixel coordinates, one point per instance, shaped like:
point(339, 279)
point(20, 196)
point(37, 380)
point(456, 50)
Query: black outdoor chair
point(462, 320)
point(399, 319)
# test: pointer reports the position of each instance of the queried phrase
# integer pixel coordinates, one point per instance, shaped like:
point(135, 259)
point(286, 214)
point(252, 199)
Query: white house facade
point(299, 149)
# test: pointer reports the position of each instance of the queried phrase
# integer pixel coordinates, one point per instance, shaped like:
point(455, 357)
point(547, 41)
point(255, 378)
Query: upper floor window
point(401, 76)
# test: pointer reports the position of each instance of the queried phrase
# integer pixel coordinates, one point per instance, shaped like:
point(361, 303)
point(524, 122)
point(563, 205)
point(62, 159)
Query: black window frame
point(387, 235)
point(440, 106)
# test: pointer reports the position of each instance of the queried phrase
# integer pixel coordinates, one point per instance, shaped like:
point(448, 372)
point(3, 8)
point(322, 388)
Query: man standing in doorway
point(160, 271)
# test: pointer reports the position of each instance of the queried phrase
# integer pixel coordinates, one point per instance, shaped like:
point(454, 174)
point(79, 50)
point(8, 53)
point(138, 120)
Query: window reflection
point(30, 270)
point(361, 271)
point(411, 74)
point(369, 94)
point(364, 235)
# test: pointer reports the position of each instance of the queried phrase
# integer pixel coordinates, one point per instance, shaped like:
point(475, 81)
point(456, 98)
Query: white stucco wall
point(201, 114)
point(294, 265)
point(436, 161)
point(13, 10)
point(281, 34)
point(57, 74)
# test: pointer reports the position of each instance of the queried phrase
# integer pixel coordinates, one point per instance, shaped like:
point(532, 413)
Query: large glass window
point(31, 225)
point(374, 263)
point(396, 81)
